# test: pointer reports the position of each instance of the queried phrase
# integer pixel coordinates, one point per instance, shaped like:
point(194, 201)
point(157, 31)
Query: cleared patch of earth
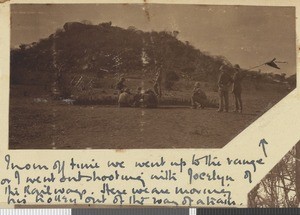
point(53, 125)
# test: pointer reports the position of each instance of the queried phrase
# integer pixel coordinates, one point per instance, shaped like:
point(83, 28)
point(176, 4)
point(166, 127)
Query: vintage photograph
point(280, 188)
point(145, 76)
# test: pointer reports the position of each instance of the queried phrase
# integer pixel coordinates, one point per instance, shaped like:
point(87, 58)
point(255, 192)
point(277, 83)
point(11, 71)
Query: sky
point(245, 35)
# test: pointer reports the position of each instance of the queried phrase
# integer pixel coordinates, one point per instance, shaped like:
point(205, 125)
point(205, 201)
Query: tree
point(132, 28)
point(175, 33)
point(280, 187)
point(86, 22)
point(22, 47)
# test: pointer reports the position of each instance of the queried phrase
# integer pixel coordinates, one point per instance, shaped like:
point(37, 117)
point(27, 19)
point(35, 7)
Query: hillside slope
point(100, 49)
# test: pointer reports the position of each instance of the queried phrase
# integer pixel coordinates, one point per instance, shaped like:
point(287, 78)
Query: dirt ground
point(55, 125)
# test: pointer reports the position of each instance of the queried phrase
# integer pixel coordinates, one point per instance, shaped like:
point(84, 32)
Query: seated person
point(199, 98)
point(125, 98)
point(149, 99)
point(137, 97)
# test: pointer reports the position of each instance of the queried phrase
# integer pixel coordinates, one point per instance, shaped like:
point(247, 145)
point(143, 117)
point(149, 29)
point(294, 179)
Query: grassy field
point(55, 125)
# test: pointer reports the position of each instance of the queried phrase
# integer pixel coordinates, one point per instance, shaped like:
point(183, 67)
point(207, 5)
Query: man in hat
point(237, 88)
point(224, 82)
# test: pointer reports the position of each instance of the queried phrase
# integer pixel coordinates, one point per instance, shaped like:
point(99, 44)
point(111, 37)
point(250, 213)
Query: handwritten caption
point(197, 181)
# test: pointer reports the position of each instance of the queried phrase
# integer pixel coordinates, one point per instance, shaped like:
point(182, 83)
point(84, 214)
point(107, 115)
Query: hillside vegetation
point(100, 51)
point(82, 48)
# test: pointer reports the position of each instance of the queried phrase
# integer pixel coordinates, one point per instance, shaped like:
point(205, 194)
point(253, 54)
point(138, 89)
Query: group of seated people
point(149, 97)
point(146, 99)
point(140, 98)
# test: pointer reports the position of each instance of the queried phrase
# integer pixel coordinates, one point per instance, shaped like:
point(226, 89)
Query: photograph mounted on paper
point(136, 76)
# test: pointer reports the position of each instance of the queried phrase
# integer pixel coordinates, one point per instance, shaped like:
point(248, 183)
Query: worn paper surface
point(145, 177)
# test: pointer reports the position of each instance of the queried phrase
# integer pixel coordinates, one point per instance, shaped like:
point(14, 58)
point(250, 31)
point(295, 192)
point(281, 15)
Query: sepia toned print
point(116, 77)
point(280, 188)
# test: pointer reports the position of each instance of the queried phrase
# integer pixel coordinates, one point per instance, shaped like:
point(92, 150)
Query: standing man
point(223, 83)
point(237, 88)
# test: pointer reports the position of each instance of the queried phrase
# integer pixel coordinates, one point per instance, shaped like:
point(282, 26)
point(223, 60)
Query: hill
point(82, 54)
point(100, 49)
